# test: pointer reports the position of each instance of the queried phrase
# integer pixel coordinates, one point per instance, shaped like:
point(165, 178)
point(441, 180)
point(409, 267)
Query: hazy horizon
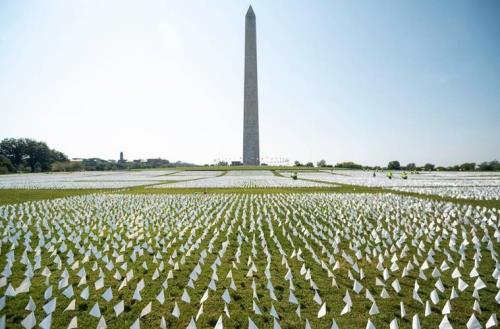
point(368, 82)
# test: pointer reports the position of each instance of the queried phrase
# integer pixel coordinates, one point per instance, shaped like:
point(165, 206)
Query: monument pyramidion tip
point(250, 12)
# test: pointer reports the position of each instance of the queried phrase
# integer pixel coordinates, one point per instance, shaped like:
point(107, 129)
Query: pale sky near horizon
point(363, 81)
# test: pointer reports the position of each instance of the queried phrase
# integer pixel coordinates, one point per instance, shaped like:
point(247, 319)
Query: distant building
point(236, 163)
point(121, 157)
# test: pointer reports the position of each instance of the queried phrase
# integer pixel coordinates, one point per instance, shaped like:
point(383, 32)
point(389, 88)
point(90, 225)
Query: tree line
point(467, 166)
point(395, 165)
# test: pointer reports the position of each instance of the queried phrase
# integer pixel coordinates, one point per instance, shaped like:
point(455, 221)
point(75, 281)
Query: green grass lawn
point(21, 195)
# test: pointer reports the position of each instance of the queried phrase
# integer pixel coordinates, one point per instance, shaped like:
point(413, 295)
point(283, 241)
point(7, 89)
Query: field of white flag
point(243, 179)
point(457, 192)
point(310, 260)
point(458, 185)
point(461, 185)
point(339, 249)
point(84, 180)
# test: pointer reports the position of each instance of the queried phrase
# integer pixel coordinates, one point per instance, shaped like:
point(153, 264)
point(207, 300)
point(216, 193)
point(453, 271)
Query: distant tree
point(394, 165)
point(26, 154)
point(37, 167)
point(97, 164)
point(57, 166)
point(222, 163)
point(468, 166)
point(58, 156)
point(67, 166)
point(411, 166)
point(489, 166)
point(484, 166)
point(5, 165)
point(75, 166)
point(134, 165)
point(348, 165)
point(428, 167)
point(321, 163)
point(309, 164)
point(23, 169)
point(298, 164)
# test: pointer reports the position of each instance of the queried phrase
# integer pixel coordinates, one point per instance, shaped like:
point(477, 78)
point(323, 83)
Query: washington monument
point(251, 152)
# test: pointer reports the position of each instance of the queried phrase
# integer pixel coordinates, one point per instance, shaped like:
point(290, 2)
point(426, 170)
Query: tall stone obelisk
point(251, 154)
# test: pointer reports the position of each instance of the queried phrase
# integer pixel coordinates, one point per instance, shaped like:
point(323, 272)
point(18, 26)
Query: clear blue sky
point(366, 81)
